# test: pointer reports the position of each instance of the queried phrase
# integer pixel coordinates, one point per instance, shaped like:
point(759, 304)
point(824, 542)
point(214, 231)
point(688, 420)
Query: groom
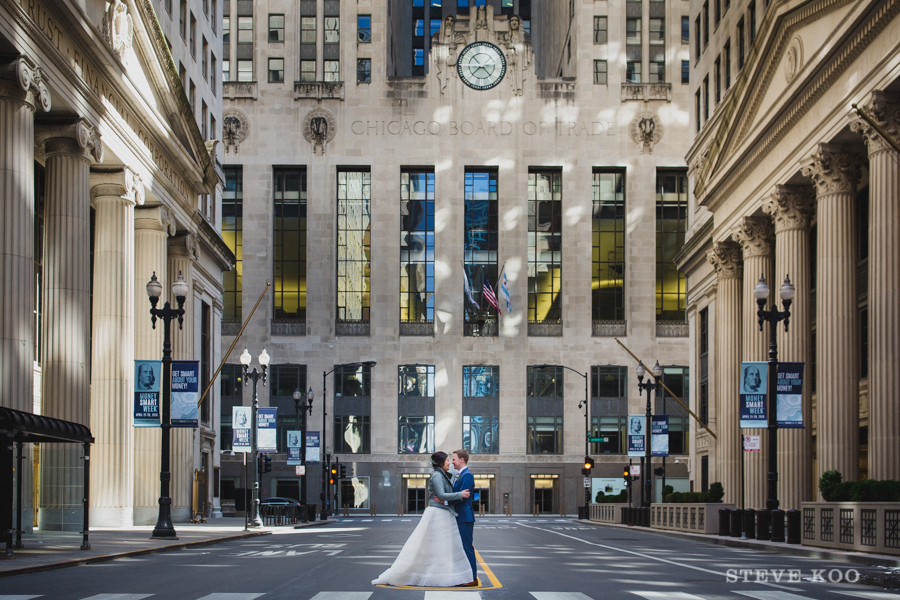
point(465, 516)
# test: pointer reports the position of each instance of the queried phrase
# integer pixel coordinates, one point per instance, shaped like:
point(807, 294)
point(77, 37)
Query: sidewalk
point(45, 550)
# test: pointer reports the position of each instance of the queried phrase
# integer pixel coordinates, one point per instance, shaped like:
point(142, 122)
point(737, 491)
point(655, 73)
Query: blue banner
point(659, 435)
point(789, 395)
point(753, 395)
point(240, 428)
point(293, 448)
point(312, 448)
point(185, 392)
point(636, 435)
point(266, 430)
point(147, 376)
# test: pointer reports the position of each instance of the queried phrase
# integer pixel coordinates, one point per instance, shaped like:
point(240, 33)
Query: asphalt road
point(523, 559)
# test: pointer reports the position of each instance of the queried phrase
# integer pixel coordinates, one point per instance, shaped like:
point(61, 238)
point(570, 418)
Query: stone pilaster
point(22, 90)
point(182, 254)
point(835, 173)
point(114, 192)
point(884, 278)
point(755, 237)
point(791, 208)
point(726, 258)
point(66, 314)
point(152, 227)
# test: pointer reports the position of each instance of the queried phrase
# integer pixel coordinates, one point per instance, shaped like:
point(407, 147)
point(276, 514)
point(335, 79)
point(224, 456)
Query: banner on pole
point(753, 395)
point(789, 395)
point(659, 435)
point(636, 435)
point(293, 448)
point(240, 428)
point(266, 430)
point(147, 375)
point(185, 392)
point(313, 455)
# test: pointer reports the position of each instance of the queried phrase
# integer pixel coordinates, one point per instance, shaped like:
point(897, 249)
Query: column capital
point(77, 137)
point(833, 170)
point(755, 235)
point(183, 245)
point(727, 260)
point(23, 80)
point(117, 182)
point(790, 206)
point(154, 218)
point(884, 109)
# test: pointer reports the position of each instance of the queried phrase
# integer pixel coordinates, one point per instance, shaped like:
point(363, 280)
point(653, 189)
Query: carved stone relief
point(235, 129)
point(319, 128)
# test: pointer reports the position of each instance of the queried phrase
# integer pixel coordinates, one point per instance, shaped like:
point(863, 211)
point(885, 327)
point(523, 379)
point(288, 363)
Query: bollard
point(724, 521)
point(737, 525)
point(793, 526)
point(777, 525)
point(763, 525)
point(750, 523)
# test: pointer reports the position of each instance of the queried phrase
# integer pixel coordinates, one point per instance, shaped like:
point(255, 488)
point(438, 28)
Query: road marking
point(18, 597)
point(226, 596)
point(118, 597)
point(668, 595)
point(448, 595)
point(865, 595)
point(342, 596)
point(559, 596)
point(771, 595)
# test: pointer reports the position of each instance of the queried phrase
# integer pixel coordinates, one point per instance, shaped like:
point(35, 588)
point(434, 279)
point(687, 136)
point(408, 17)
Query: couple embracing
point(439, 553)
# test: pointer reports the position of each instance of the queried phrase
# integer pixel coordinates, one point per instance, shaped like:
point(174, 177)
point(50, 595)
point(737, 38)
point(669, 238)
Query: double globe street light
point(303, 405)
point(653, 386)
point(255, 520)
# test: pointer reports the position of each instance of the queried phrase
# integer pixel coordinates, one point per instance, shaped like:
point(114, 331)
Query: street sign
point(597, 440)
point(587, 482)
point(299, 470)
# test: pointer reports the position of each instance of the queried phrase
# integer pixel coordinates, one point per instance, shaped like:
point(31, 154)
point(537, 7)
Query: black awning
point(28, 427)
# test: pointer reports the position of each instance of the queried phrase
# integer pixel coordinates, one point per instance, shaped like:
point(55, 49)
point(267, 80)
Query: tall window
point(705, 23)
point(416, 246)
point(741, 44)
point(480, 248)
point(232, 233)
point(354, 245)
point(601, 31)
point(363, 70)
point(601, 76)
point(718, 77)
point(276, 28)
point(727, 63)
point(751, 13)
point(685, 30)
point(633, 54)
point(657, 50)
point(352, 410)
point(609, 409)
point(284, 380)
point(182, 20)
point(703, 339)
point(706, 98)
point(192, 42)
point(608, 242)
point(677, 380)
point(545, 246)
point(364, 28)
point(671, 224)
point(307, 41)
point(416, 409)
point(332, 39)
point(289, 244)
point(685, 72)
point(276, 70)
point(481, 409)
point(545, 401)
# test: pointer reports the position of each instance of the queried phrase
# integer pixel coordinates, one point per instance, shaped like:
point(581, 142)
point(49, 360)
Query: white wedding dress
point(433, 556)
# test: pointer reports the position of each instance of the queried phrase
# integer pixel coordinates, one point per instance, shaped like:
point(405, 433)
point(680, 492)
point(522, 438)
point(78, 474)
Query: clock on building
point(481, 65)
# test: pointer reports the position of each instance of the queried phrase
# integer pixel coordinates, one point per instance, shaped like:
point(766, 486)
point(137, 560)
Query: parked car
point(280, 501)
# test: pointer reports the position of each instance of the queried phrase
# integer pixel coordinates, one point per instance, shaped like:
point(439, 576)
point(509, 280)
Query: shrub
point(833, 489)
point(716, 492)
point(828, 482)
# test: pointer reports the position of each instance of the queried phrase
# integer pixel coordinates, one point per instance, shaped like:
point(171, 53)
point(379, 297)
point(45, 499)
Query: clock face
point(481, 65)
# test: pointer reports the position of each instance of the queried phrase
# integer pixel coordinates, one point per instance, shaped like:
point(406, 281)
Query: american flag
point(488, 293)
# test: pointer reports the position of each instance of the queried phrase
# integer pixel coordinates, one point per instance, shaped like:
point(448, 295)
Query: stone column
point(22, 89)
point(114, 191)
point(726, 258)
point(152, 227)
point(755, 236)
point(66, 314)
point(791, 208)
point(835, 173)
point(182, 254)
point(884, 286)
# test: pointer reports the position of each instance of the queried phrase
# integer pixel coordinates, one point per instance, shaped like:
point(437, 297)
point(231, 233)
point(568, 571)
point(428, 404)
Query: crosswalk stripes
point(559, 596)
point(2, 597)
point(451, 595)
point(667, 596)
point(118, 597)
point(767, 595)
point(342, 596)
point(231, 596)
point(871, 595)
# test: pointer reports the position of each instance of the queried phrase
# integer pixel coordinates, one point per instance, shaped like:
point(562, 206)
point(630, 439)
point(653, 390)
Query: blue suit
point(465, 516)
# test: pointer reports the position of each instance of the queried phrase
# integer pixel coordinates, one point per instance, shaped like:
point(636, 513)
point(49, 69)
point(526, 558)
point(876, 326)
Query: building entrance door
point(543, 495)
point(416, 494)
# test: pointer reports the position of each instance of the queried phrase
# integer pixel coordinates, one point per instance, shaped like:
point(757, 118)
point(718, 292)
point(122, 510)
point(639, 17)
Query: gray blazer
point(443, 489)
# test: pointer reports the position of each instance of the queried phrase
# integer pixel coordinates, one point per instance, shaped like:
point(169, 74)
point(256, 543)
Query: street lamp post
point(255, 375)
point(302, 410)
point(585, 404)
point(773, 316)
point(326, 457)
point(164, 528)
point(654, 386)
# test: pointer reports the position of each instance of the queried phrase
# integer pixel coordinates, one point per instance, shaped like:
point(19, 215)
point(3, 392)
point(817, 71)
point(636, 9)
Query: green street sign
point(598, 439)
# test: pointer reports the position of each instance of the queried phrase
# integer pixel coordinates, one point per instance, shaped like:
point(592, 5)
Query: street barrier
point(724, 521)
point(793, 526)
point(763, 525)
point(749, 523)
point(737, 523)
point(777, 525)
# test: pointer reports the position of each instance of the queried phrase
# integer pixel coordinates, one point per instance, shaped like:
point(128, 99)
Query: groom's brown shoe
point(470, 584)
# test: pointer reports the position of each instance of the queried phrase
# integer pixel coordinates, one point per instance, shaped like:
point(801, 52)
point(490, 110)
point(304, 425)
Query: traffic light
point(343, 471)
point(267, 464)
point(334, 472)
point(627, 474)
point(588, 465)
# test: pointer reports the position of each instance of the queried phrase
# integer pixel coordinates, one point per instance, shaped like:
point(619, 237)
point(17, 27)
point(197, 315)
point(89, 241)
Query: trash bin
point(793, 526)
point(749, 523)
point(583, 513)
point(737, 522)
point(763, 523)
point(311, 511)
point(724, 521)
point(777, 525)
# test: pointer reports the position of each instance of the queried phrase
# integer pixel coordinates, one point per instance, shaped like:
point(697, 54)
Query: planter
point(855, 526)
point(607, 513)
point(691, 517)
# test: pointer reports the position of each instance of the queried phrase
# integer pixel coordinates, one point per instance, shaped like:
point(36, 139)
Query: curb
point(128, 554)
point(874, 560)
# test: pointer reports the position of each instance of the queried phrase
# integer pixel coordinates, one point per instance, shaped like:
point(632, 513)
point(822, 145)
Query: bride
point(433, 556)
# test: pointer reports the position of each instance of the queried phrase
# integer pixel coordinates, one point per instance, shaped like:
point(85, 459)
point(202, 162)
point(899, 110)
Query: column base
point(60, 519)
point(112, 517)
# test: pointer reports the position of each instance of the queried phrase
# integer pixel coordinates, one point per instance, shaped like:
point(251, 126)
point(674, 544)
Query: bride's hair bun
point(438, 459)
